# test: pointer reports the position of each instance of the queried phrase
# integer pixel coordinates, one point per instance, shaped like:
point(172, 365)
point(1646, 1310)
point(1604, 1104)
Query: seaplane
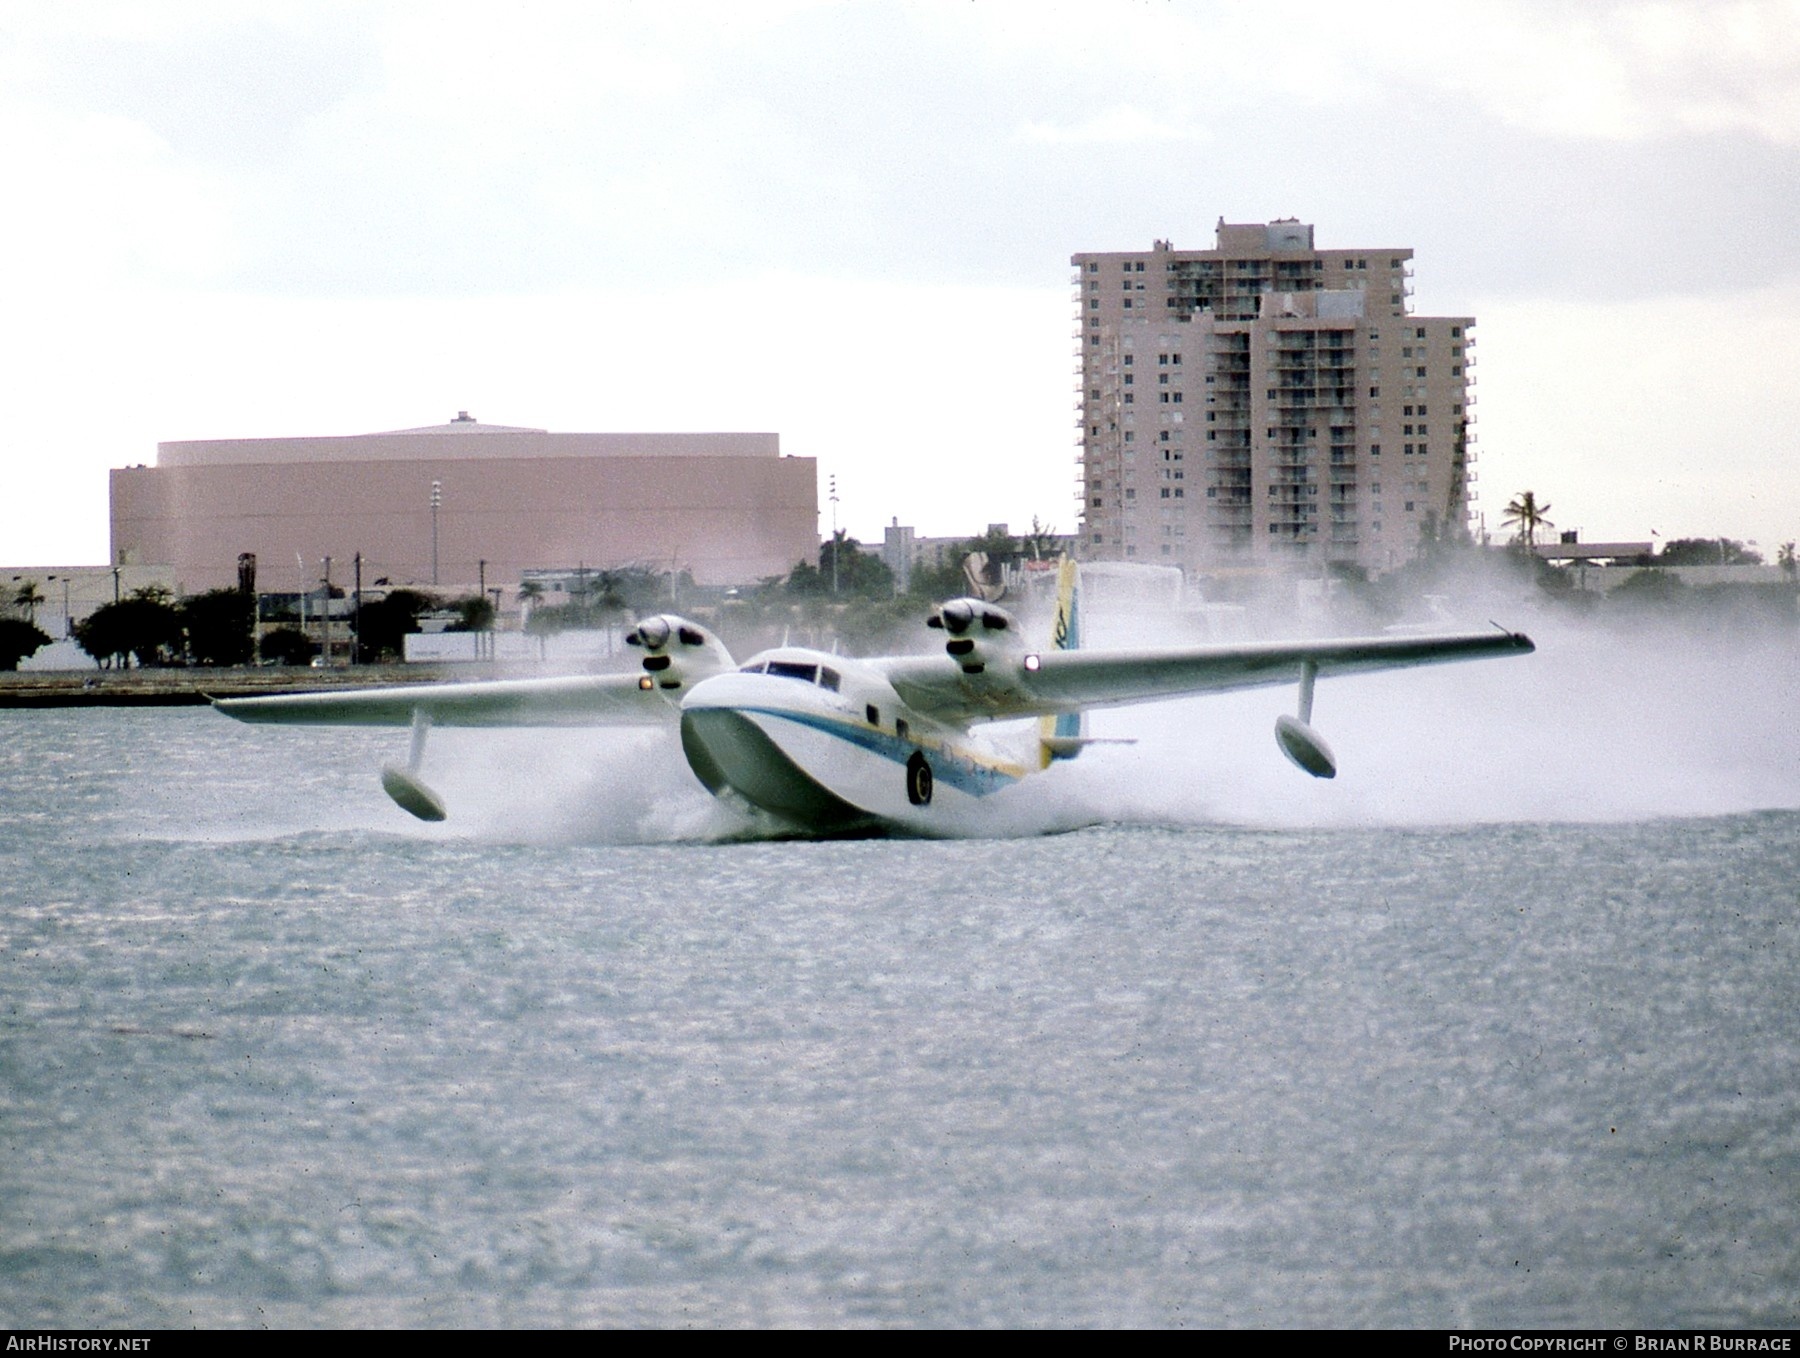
point(817, 744)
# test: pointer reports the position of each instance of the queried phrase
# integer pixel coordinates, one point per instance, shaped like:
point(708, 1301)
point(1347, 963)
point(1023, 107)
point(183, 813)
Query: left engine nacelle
point(677, 653)
point(978, 633)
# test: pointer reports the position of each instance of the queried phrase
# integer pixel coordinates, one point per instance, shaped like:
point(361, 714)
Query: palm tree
point(27, 598)
point(1786, 560)
point(1528, 516)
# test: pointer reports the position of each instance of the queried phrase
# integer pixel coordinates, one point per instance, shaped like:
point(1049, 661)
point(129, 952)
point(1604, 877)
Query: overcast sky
point(851, 224)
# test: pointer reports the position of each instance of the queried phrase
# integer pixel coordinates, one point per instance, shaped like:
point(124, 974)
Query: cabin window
point(900, 727)
point(873, 713)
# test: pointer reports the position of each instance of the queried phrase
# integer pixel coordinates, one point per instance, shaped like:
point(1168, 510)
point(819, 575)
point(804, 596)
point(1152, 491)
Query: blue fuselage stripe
point(947, 766)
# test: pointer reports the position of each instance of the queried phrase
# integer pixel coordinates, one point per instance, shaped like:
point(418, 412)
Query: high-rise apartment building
point(1266, 403)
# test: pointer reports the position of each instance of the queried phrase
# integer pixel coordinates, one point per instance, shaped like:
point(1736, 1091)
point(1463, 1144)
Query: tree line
point(151, 627)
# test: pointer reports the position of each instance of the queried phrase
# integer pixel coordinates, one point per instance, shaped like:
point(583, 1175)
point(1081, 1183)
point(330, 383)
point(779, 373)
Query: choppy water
point(271, 1054)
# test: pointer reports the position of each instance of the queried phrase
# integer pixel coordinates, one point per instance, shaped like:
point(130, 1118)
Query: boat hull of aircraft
point(825, 768)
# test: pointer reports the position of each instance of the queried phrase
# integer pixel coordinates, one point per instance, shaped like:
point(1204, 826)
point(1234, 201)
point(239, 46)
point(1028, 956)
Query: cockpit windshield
point(823, 675)
point(793, 669)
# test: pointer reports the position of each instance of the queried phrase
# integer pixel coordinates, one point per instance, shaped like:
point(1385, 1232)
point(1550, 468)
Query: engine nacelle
point(978, 633)
point(677, 653)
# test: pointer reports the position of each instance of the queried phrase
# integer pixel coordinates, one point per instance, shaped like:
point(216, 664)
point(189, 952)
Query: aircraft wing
point(574, 700)
point(1069, 681)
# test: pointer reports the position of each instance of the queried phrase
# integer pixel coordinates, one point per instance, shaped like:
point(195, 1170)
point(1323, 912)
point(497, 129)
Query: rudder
point(1056, 734)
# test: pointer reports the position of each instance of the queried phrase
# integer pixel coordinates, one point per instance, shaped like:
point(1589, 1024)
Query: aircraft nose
point(728, 750)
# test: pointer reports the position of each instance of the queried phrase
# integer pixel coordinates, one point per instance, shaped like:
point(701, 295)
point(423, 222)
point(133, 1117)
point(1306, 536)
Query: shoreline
point(197, 687)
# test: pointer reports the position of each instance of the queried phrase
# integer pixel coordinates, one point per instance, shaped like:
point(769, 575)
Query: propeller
point(652, 634)
point(658, 636)
point(969, 644)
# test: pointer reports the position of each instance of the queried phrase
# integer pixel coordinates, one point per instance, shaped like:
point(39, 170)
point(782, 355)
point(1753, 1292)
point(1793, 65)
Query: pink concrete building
point(428, 506)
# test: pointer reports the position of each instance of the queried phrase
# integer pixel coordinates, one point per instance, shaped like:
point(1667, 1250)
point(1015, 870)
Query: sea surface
point(1500, 1031)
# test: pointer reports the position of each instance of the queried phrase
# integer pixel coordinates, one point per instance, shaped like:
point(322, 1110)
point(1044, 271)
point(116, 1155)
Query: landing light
point(646, 683)
point(1033, 664)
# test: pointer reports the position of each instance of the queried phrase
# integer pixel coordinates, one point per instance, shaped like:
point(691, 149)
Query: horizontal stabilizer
point(1067, 747)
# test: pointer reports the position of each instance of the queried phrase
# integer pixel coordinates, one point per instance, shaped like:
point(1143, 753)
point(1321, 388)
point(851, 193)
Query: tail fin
point(1060, 737)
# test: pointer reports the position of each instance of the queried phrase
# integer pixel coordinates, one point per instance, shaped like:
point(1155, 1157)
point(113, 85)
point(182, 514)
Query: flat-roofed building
point(431, 506)
point(1265, 403)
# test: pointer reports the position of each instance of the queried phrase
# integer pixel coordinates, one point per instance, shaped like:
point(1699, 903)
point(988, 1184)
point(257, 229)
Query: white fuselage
point(824, 743)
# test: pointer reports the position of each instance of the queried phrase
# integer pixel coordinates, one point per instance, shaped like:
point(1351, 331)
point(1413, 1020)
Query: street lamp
point(437, 499)
point(68, 628)
point(834, 536)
